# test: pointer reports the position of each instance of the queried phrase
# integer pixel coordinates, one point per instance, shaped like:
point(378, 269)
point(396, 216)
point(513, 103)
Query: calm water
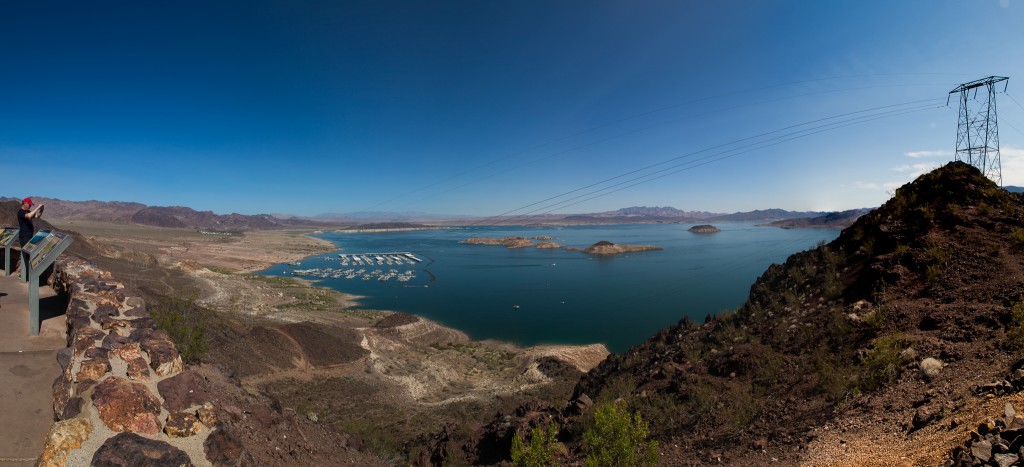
point(567, 297)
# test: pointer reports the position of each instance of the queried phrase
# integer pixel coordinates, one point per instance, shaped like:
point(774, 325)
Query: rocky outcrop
point(121, 372)
point(997, 443)
point(704, 229)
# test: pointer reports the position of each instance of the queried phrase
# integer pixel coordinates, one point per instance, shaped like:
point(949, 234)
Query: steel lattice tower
point(977, 132)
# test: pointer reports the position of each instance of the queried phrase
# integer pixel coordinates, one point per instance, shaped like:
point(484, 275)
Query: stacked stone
point(121, 371)
point(995, 443)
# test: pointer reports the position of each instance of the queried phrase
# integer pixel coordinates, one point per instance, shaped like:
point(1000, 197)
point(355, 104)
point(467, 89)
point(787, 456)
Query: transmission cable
point(650, 166)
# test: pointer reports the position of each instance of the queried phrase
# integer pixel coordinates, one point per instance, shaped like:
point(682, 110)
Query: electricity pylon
point(977, 133)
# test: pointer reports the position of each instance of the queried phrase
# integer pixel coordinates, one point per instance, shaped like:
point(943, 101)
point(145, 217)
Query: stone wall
point(124, 397)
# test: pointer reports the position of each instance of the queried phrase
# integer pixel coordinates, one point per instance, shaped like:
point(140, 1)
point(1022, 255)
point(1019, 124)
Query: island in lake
point(509, 242)
point(608, 248)
point(600, 248)
point(704, 228)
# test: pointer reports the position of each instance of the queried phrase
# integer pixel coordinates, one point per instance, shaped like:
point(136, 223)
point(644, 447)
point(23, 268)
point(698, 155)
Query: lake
point(537, 296)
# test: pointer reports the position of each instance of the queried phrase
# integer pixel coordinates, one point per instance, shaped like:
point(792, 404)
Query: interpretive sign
point(41, 251)
point(7, 238)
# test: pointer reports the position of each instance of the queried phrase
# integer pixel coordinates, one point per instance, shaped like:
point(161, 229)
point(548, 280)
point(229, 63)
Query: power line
point(650, 166)
point(627, 133)
point(629, 118)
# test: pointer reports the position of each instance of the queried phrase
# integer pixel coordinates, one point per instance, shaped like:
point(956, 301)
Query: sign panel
point(8, 236)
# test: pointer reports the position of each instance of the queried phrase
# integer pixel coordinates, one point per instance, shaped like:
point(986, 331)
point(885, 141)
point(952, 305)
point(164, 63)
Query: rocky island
point(704, 229)
point(608, 248)
point(509, 242)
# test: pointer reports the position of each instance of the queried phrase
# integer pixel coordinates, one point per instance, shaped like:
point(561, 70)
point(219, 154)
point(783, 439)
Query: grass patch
point(186, 322)
point(882, 364)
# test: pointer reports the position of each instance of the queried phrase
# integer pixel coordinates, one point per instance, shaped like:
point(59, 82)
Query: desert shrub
point(739, 407)
point(541, 451)
point(882, 364)
point(1018, 236)
point(834, 379)
point(932, 273)
point(664, 413)
point(930, 368)
point(618, 438)
point(186, 323)
point(1015, 331)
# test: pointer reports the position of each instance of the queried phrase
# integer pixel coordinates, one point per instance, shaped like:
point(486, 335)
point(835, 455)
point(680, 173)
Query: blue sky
point(480, 108)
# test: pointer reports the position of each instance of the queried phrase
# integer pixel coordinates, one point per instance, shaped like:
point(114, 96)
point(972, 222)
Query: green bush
point(618, 438)
point(1015, 332)
point(882, 364)
point(541, 451)
point(1018, 236)
point(186, 323)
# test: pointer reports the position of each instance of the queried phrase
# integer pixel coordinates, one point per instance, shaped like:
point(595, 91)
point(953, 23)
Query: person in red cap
point(25, 228)
point(25, 216)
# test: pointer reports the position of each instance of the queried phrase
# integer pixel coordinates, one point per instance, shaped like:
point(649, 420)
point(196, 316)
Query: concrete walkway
point(28, 366)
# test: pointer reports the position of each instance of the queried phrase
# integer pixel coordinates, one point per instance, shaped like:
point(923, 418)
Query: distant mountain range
point(163, 216)
point(832, 220)
point(644, 214)
point(185, 217)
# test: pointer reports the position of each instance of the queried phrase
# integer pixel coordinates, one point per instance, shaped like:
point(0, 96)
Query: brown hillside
point(823, 363)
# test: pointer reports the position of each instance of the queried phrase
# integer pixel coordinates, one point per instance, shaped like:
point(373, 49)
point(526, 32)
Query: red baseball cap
point(28, 201)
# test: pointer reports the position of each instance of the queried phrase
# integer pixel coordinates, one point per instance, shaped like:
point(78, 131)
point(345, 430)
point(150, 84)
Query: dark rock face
point(130, 449)
point(222, 448)
point(182, 391)
point(127, 406)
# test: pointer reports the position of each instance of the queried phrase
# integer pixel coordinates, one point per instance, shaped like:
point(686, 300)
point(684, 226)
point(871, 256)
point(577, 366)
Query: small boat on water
point(515, 307)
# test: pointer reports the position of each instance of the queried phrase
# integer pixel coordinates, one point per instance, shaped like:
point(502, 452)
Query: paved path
point(28, 366)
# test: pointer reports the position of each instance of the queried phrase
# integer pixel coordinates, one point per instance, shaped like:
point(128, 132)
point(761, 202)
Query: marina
point(351, 261)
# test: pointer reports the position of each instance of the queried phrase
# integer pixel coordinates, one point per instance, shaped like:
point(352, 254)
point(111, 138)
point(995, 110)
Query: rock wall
point(124, 397)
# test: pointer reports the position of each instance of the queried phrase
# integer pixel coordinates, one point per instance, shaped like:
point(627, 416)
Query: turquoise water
point(566, 297)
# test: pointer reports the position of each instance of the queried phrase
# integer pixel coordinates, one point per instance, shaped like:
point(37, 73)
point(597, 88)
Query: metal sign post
point(7, 238)
point(40, 252)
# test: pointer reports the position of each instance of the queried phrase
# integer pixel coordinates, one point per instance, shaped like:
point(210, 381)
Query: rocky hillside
point(875, 349)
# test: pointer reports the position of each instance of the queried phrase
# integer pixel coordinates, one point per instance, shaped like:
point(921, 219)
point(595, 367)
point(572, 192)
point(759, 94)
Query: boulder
point(131, 449)
point(84, 338)
point(182, 391)
point(1006, 460)
point(982, 450)
point(93, 368)
point(208, 415)
point(138, 369)
point(127, 406)
point(182, 425)
point(163, 356)
point(63, 437)
point(222, 448)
